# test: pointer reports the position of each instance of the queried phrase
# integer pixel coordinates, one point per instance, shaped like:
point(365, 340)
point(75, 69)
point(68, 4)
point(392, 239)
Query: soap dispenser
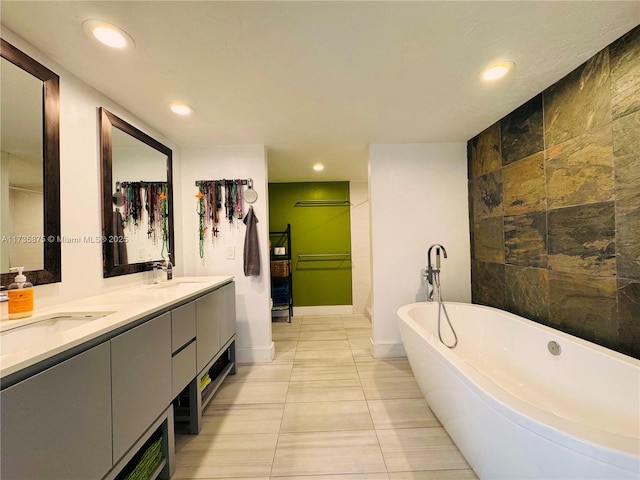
point(20, 295)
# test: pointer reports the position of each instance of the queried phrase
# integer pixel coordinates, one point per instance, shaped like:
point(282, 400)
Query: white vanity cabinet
point(57, 423)
point(140, 380)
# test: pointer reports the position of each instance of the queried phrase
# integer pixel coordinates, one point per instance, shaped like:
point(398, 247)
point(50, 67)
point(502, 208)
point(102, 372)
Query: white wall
point(253, 341)
point(418, 196)
point(360, 247)
point(80, 185)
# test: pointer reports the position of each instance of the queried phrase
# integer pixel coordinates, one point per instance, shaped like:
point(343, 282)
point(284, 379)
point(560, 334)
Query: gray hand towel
point(251, 247)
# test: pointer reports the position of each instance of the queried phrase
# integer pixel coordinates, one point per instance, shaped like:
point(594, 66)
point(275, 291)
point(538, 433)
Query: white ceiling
point(320, 81)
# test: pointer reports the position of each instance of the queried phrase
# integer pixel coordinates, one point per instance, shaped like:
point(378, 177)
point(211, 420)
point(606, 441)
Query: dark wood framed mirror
point(136, 182)
point(45, 107)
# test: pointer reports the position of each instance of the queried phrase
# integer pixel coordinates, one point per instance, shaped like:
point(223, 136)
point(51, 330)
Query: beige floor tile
point(390, 387)
point(232, 419)
point(352, 476)
point(415, 449)
point(325, 391)
point(322, 355)
point(291, 335)
point(323, 453)
point(321, 327)
point(355, 319)
point(230, 478)
point(402, 413)
point(356, 315)
point(326, 416)
point(360, 346)
point(467, 474)
point(284, 326)
point(285, 351)
point(356, 323)
point(215, 456)
point(322, 345)
point(386, 367)
point(358, 332)
point(294, 318)
point(333, 371)
point(338, 334)
point(363, 336)
point(268, 372)
point(207, 474)
point(305, 330)
point(238, 393)
point(297, 318)
point(322, 320)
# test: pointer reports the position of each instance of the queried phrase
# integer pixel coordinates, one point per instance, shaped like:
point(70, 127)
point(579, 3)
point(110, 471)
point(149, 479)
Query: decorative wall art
point(142, 207)
point(219, 200)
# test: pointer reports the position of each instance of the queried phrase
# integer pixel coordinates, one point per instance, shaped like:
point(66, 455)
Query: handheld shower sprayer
point(433, 279)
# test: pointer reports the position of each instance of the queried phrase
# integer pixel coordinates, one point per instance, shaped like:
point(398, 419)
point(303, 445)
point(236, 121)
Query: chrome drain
point(554, 347)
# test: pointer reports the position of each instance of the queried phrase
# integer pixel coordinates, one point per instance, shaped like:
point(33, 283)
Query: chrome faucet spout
point(430, 271)
point(438, 247)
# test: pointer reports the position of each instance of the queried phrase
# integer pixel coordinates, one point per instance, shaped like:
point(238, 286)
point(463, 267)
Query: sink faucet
point(432, 272)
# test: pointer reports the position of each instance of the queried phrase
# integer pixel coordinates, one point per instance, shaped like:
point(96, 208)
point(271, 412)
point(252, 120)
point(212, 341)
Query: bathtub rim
point(587, 440)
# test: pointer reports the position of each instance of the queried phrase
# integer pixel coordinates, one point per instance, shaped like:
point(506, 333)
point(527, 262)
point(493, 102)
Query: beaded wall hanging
point(139, 201)
point(211, 201)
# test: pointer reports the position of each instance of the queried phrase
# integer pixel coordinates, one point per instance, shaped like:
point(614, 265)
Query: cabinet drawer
point(183, 368)
point(183, 325)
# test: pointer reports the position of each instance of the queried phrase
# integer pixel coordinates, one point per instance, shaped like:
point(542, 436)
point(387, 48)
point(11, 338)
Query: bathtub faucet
point(432, 272)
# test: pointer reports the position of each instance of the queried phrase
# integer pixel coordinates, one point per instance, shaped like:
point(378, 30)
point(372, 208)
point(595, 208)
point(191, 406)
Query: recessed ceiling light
point(318, 167)
point(181, 108)
point(108, 34)
point(497, 70)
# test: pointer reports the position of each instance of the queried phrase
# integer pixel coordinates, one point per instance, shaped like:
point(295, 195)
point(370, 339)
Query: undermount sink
point(22, 337)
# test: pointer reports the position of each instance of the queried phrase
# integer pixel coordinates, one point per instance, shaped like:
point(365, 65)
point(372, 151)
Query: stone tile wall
point(554, 197)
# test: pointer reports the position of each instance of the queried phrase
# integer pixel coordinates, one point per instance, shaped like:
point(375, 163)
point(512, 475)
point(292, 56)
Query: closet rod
point(322, 203)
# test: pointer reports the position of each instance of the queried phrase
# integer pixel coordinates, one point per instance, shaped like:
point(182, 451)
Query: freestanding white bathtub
point(515, 410)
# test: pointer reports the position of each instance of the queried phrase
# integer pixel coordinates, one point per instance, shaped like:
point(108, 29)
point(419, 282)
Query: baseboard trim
point(255, 355)
point(387, 350)
point(323, 310)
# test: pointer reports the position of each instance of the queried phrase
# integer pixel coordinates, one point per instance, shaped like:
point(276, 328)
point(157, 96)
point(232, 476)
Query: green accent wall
point(315, 230)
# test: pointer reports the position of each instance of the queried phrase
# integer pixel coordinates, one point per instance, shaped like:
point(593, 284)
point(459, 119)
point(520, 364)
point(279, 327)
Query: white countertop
point(127, 305)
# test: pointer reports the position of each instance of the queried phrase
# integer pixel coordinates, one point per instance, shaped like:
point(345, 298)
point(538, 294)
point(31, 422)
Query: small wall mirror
point(137, 198)
point(29, 168)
